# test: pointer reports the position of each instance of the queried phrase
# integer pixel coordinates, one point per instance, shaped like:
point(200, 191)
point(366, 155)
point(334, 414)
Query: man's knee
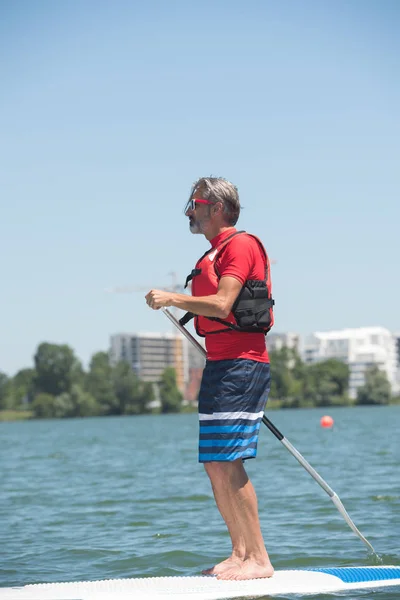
point(213, 468)
point(223, 470)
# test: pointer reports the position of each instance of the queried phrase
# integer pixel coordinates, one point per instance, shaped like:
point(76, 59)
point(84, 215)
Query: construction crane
point(129, 289)
point(175, 287)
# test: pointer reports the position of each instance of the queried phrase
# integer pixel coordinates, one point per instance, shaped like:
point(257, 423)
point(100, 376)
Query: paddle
point(333, 496)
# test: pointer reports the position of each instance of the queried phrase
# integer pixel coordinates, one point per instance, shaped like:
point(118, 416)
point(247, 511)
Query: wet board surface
point(306, 581)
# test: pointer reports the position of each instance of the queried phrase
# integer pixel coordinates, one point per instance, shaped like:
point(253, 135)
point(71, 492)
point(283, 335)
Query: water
point(124, 496)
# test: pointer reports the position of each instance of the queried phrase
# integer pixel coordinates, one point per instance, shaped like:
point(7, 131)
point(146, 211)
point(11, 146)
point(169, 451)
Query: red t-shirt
point(242, 259)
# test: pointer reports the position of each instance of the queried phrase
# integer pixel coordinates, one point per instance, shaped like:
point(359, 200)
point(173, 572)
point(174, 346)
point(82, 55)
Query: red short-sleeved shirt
point(242, 259)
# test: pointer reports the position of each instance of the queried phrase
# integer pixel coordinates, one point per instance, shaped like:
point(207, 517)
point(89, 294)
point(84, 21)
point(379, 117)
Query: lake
point(125, 496)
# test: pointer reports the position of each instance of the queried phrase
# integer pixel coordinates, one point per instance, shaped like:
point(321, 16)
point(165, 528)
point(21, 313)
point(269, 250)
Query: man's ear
point(217, 207)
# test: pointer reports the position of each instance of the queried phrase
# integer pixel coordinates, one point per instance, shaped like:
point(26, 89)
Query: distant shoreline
point(28, 415)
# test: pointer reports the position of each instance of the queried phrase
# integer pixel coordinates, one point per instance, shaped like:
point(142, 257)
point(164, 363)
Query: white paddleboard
point(312, 581)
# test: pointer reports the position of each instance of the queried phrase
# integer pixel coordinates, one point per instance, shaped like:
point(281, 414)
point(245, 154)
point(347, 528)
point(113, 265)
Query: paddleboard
point(306, 581)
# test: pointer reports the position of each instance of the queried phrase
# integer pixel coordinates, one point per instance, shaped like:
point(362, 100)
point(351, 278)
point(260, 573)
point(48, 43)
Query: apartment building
point(149, 354)
point(360, 348)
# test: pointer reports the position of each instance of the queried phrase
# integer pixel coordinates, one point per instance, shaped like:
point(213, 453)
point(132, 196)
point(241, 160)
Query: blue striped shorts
point(232, 399)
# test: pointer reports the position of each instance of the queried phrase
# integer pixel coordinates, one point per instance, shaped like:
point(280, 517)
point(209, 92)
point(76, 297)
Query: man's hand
point(156, 299)
point(215, 305)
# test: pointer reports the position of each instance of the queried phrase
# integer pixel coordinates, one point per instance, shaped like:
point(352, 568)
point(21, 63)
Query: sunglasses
point(191, 204)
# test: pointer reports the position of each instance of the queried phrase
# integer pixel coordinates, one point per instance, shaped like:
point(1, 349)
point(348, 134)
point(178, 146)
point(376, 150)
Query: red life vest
point(252, 311)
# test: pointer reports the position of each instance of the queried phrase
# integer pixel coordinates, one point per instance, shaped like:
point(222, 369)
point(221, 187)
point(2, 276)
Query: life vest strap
point(234, 327)
point(190, 277)
point(252, 329)
point(186, 318)
point(246, 312)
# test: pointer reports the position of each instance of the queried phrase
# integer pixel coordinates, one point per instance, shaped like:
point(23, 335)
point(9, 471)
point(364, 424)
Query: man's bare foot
point(223, 566)
point(248, 569)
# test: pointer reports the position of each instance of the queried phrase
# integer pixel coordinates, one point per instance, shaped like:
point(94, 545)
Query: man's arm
point(216, 305)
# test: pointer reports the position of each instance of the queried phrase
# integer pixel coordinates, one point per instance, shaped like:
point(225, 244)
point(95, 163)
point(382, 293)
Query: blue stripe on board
point(358, 574)
point(249, 453)
point(234, 442)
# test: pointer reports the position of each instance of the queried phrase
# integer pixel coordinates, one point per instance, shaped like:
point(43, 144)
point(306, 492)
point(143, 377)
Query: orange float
point(326, 421)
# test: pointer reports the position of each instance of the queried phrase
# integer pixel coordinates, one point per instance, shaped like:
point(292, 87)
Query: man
point(231, 298)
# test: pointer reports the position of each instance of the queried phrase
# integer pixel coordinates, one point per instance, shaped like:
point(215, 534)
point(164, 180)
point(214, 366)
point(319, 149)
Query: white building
point(277, 341)
point(360, 348)
point(149, 354)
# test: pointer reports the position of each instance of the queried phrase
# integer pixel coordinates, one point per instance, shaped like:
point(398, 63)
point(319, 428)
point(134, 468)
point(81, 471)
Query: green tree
point(23, 387)
point(286, 376)
point(76, 403)
point(4, 390)
point(147, 392)
point(44, 406)
point(326, 382)
point(281, 377)
point(170, 396)
point(376, 389)
point(338, 373)
point(57, 368)
point(100, 383)
point(128, 390)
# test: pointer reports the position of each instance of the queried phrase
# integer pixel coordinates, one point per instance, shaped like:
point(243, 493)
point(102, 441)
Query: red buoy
point(326, 421)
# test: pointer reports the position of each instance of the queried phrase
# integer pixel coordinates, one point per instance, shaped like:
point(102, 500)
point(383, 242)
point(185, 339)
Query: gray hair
point(218, 189)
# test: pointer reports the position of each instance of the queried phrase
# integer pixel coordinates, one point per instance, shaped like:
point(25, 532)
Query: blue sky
point(109, 112)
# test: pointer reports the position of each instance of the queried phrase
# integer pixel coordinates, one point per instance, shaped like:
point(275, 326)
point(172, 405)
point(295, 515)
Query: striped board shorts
point(232, 398)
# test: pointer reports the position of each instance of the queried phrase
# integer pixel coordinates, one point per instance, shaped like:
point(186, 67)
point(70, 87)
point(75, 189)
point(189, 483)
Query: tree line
point(58, 386)
point(326, 383)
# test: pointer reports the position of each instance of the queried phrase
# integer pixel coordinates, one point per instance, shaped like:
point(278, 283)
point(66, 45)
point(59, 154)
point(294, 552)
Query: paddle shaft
point(333, 496)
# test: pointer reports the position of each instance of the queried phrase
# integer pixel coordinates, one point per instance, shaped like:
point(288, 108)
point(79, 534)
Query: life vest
point(252, 311)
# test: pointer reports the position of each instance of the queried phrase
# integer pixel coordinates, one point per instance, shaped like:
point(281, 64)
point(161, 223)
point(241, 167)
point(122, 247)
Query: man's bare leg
point(237, 503)
point(218, 473)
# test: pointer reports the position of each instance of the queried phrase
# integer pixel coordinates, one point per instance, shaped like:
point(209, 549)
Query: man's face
point(199, 213)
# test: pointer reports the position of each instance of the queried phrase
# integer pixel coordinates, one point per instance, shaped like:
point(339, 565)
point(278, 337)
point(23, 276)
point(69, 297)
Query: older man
point(232, 304)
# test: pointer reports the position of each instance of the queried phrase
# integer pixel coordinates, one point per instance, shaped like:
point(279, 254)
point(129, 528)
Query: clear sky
point(110, 110)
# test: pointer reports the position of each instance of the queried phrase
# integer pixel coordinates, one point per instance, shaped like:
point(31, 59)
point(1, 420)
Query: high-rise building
point(360, 348)
point(149, 354)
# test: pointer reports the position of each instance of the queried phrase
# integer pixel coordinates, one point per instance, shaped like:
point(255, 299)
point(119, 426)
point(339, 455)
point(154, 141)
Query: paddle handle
point(184, 331)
